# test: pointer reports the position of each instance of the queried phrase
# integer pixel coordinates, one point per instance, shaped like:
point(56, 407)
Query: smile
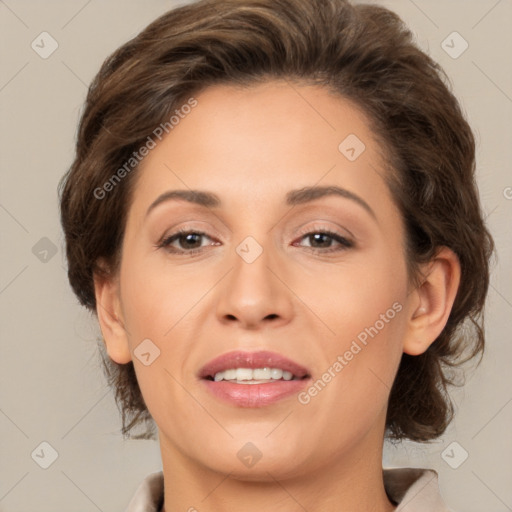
point(253, 379)
point(254, 375)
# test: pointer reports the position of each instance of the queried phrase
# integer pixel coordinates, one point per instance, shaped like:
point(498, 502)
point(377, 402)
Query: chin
point(259, 461)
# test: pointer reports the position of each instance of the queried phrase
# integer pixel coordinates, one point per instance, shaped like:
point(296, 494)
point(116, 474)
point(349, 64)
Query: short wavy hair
point(365, 54)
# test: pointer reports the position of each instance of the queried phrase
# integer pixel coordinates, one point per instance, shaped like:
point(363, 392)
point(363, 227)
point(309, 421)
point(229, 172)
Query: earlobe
point(433, 301)
point(110, 319)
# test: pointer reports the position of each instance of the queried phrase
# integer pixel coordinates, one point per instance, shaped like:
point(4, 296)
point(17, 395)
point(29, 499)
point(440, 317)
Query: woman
point(273, 213)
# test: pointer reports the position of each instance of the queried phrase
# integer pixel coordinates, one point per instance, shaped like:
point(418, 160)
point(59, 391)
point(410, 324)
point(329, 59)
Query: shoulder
point(149, 496)
point(414, 490)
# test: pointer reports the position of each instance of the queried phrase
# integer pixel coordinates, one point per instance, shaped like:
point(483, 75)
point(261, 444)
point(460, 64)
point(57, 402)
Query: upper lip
point(260, 359)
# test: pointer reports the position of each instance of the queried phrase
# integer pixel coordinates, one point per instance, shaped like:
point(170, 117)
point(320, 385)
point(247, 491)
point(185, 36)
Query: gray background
point(51, 385)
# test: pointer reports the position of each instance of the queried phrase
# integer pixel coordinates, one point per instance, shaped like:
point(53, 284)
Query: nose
point(255, 294)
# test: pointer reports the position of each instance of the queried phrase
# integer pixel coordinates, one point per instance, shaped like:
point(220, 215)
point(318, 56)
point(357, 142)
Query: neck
point(349, 481)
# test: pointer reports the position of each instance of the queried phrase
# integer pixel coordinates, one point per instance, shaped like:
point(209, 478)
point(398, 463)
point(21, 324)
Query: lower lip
point(254, 395)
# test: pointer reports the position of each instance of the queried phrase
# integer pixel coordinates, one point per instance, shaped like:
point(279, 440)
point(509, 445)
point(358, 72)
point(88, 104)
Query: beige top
point(412, 489)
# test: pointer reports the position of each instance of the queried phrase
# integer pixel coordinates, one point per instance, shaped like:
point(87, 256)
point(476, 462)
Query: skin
point(251, 146)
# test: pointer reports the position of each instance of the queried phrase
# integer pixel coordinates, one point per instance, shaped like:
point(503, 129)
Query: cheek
point(349, 297)
point(158, 304)
point(155, 297)
point(361, 309)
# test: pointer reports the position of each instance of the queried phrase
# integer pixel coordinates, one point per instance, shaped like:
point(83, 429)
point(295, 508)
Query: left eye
point(324, 240)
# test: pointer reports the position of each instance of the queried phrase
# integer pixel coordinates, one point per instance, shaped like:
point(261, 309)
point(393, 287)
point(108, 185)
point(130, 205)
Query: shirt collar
point(412, 489)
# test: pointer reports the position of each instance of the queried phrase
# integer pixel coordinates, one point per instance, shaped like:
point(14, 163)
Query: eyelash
point(166, 242)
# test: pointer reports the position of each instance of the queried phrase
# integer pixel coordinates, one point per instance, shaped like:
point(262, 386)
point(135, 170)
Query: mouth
point(254, 375)
point(253, 379)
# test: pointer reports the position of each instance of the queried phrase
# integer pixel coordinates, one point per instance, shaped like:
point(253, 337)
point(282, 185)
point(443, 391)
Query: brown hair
point(365, 54)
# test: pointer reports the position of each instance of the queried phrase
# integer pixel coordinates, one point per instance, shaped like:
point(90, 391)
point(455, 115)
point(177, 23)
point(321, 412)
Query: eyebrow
point(293, 197)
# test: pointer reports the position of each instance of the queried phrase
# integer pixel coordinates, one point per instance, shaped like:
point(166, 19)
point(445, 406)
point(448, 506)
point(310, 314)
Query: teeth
point(276, 373)
point(244, 374)
point(253, 376)
point(230, 374)
point(262, 373)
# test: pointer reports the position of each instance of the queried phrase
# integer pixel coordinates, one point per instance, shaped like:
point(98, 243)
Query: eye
point(325, 241)
point(184, 241)
point(189, 242)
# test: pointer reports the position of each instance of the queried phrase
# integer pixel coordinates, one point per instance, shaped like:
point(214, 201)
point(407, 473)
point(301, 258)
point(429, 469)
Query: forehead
point(249, 143)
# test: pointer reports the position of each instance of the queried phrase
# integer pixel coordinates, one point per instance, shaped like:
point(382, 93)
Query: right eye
point(185, 242)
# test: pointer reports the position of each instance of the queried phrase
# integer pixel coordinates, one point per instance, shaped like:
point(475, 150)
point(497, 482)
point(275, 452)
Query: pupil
point(192, 239)
point(319, 237)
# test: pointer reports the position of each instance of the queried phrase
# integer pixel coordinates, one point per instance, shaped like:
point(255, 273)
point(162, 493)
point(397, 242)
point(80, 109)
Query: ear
point(432, 301)
point(108, 310)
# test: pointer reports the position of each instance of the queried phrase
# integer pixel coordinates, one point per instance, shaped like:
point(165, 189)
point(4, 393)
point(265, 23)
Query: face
point(293, 247)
